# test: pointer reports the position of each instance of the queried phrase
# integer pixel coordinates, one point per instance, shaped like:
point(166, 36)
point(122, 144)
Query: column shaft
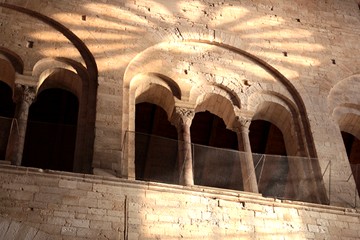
point(25, 97)
point(247, 162)
point(182, 120)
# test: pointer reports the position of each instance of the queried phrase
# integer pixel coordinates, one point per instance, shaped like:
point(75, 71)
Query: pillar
point(181, 119)
point(247, 163)
point(24, 95)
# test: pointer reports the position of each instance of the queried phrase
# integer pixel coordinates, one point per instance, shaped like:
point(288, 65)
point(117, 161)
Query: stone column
point(181, 119)
point(247, 163)
point(24, 95)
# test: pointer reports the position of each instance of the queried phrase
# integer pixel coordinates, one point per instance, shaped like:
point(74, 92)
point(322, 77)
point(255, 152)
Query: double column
point(24, 97)
point(181, 119)
point(242, 125)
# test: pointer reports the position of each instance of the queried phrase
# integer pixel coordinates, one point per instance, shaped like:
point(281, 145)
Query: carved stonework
point(29, 94)
point(241, 124)
point(24, 93)
point(182, 117)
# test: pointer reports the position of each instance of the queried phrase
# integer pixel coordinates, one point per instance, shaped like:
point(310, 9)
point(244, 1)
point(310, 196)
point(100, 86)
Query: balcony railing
point(8, 130)
point(282, 177)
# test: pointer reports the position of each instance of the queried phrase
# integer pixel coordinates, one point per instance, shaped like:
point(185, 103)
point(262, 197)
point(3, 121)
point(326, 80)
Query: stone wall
point(312, 46)
point(54, 205)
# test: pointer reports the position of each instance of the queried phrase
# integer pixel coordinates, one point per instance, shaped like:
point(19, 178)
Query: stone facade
point(292, 63)
point(53, 205)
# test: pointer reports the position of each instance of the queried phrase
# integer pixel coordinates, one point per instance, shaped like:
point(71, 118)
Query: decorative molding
point(24, 93)
point(182, 117)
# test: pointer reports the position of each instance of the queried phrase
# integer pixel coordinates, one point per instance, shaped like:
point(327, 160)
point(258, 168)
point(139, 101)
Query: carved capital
point(241, 124)
point(24, 93)
point(182, 117)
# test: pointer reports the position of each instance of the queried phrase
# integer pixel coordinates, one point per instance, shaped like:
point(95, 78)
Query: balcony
point(281, 177)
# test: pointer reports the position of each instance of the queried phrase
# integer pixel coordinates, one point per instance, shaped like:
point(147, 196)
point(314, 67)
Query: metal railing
point(282, 177)
point(8, 130)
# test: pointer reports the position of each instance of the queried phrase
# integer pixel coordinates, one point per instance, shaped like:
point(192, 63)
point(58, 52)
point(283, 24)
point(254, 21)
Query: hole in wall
point(83, 17)
point(29, 44)
point(285, 54)
point(333, 61)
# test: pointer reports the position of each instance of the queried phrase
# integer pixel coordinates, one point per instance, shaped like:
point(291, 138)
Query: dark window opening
point(352, 145)
point(217, 164)
point(156, 146)
point(7, 109)
point(51, 131)
point(272, 172)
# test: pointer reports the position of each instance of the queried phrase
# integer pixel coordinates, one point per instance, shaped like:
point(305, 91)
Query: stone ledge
point(216, 193)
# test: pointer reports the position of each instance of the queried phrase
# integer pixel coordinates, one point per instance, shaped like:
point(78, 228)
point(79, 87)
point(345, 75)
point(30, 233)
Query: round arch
point(218, 105)
point(69, 75)
point(10, 64)
point(281, 112)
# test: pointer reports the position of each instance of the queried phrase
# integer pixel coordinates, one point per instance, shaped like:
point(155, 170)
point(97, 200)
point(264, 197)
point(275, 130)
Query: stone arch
point(151, 88)
point(274, 109)
point(156, 94)
point(216, 104)
point(70, 75)
point(345, 108)
point(10, 64)
point(144, 60)
point(210, 88)
point(197, 91)
point(302, 173)
point(350, 85)
point(348, 118)
point(156, 78)
point(345, 111)
point(290, 88)
point(90, 83)
point(60, 78)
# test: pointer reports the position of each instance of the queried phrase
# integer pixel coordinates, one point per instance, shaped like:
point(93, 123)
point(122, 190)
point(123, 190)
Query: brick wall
point(54, 205)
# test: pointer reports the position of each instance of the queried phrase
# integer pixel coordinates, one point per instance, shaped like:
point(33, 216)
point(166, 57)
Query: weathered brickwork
point(38, 205)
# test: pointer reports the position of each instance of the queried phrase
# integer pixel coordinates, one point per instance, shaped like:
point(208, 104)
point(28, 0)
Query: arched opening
point(156, 147)
point(7, 109)
point(215, 156)
point(352, 145)
point(272, 171)
point(51, 131)
point(266, 138)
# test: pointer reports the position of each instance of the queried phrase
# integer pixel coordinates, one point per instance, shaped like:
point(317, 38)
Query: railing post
point(241, 127)
point(181, 119)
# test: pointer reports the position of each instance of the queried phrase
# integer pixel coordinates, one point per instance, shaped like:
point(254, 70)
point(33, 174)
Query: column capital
point(24, 93)
point(182, 116)
point(241, 124)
